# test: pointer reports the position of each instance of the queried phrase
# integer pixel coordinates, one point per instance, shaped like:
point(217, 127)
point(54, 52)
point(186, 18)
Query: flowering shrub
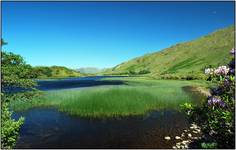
point(216, 116)
point(213, 101)
point(217, 73)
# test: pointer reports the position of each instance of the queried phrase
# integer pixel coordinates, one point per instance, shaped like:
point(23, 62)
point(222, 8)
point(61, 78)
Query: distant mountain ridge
point(90, 70)
point(183, 58)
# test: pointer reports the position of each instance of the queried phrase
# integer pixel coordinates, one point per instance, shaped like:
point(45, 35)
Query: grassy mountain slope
point(183, 58)
point(55, 72)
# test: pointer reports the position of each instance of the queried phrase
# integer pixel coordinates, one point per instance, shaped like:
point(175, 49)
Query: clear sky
point(104, 34)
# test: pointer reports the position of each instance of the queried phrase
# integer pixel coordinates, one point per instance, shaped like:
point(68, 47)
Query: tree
point(15, 73)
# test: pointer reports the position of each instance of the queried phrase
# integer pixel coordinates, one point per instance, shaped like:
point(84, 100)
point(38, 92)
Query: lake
point(49, 128)
point(69, 83)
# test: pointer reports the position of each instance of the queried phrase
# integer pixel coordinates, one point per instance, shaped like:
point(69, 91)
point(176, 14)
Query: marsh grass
point(136, 98)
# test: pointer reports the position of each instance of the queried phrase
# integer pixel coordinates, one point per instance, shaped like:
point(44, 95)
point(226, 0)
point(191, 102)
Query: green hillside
point(183, 58)
point(55, 72)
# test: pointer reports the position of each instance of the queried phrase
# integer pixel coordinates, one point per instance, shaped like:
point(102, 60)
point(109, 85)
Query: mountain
point(55, 72)
point(90, 70)
point(183, 58)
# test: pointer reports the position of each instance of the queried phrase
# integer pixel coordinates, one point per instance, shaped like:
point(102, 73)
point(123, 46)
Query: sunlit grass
point(138, 97)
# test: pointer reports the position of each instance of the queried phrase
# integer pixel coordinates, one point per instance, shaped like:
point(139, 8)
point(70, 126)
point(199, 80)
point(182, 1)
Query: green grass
point(183, 58)
point(54, 72)
point(137, 97)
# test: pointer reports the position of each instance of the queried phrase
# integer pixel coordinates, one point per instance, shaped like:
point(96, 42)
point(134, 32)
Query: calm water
point(69, 83)
point(48, 128)
point(76, 83)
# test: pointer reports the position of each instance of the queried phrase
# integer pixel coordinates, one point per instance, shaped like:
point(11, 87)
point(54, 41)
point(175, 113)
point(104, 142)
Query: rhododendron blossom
point(215, 101)
point(222, 70)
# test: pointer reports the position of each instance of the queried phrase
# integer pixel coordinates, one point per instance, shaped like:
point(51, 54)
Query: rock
point(177, 137)
point(185, 130)
point(167, 138)
point(194, 126)
point(182, 135)
point(189, 135)
point(174, 147)
point(185, 142)
point(195, 132)
point(195, 138)
point(198, 130)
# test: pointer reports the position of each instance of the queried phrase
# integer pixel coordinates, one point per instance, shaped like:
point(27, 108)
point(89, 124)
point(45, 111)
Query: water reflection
point(76, 83)
point(48, 128)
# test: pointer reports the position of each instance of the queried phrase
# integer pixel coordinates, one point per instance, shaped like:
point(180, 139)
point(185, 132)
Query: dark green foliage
point(132, 72)
point(209, 145)
point(188, 76)
point(9, 127)
point(14, 73)
point(144, 71)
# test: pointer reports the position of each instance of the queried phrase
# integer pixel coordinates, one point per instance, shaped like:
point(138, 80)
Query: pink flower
point(222, 70)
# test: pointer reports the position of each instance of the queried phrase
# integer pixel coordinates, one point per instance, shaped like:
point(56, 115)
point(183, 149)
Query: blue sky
point(104, 34)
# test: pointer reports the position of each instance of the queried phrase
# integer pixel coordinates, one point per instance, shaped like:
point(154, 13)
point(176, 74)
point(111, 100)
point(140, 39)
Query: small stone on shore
point(167, 138)
point(195, 132)
point(177, 137)
point(198, 130)
point(195, 138)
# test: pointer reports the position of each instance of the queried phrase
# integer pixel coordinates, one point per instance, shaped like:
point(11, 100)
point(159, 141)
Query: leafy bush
point(208, 145)
point(216, 116)
point(9, 128)
point(15, 74)
point(144, 71)
point(187, 76)
point(132, 72)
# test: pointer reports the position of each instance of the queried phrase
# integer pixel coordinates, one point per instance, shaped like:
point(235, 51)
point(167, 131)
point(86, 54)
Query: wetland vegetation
point(136, 97)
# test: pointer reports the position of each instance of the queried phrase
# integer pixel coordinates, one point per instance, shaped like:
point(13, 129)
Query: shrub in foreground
point(15, 74)
point(217, 115)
